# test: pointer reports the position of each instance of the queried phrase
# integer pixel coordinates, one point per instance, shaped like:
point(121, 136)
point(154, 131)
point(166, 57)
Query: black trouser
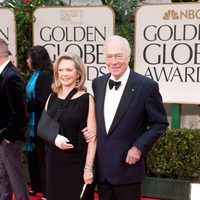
point(109, 191)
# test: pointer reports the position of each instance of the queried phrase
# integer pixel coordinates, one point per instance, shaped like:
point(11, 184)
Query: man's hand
point(2, 134)
point(133, 155)
point(89, 135)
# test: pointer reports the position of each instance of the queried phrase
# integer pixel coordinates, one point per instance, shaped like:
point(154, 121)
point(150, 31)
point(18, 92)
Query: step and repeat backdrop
point(167, 49)
point(167, 42)
point(8, 29)
point(81, 30)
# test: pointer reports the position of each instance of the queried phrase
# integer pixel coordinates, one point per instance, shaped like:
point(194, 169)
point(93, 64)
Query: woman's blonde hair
point(80, 67)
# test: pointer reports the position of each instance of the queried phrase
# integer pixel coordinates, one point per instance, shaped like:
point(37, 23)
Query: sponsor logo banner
point(81, 30)
point(8, 28)
point(167, 49)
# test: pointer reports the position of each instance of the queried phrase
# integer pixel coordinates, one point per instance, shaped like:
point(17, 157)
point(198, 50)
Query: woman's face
point(67, 73)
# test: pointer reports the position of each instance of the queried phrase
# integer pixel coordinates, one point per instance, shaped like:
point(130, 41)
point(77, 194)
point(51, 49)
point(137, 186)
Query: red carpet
point(39, 195)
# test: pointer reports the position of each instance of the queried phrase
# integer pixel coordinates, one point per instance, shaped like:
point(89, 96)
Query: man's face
point(116, 58)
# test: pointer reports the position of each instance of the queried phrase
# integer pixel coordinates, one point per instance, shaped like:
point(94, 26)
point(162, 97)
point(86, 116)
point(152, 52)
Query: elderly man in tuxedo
point(13, 119)
point(130, 118)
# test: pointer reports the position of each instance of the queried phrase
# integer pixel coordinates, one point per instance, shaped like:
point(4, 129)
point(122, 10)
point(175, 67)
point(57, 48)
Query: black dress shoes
point(32, 192)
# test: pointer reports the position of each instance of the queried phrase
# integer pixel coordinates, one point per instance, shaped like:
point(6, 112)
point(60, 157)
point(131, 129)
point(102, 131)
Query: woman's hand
point(88, 176)
point(63, 143)
point(88, 173)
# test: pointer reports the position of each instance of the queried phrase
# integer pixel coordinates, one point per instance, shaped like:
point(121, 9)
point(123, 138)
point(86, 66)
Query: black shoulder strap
point(61, 109)
point(50, 100)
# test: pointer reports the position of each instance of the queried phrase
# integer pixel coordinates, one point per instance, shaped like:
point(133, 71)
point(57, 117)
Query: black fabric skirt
point(64, 174)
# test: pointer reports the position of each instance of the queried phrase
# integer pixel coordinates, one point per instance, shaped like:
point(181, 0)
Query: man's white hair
point(122, 40)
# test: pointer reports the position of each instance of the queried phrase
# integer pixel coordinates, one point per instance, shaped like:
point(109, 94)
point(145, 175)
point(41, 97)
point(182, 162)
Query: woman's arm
point(91, 124)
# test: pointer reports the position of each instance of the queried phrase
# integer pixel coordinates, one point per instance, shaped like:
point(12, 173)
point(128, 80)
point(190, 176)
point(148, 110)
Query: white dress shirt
point(113, 97)
point(2, 67)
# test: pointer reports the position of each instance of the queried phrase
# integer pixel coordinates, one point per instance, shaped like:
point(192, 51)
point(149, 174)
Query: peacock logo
point(182, 14)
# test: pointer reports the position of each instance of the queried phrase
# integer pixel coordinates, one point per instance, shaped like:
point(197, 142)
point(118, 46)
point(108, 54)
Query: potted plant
point(172, 164)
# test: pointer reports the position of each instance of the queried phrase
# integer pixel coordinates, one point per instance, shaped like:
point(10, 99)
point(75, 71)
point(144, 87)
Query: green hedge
point(176, 155)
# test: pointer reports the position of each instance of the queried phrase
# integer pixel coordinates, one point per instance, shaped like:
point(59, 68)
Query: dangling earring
point(77, 81)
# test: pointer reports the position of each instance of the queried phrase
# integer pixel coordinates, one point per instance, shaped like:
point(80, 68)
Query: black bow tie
point(114, 83)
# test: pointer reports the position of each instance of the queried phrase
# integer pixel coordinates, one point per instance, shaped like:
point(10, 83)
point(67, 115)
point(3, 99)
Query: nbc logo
point(182, 14)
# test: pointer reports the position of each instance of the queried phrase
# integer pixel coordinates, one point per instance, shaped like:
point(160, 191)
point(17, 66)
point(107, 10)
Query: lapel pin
point(132, 90)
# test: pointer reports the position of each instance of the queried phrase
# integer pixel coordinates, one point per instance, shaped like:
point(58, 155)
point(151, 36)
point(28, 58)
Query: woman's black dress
point(65, 167)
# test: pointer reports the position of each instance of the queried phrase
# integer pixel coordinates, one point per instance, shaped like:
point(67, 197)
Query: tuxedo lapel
point(1, 79)
point(2, 76)
point(1, 83)
point(5, 70)
point(101, 99)
point(127, 98)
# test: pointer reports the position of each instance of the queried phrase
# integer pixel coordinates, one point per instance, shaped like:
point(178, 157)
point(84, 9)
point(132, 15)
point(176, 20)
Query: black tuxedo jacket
point(139, 120)
point(13, 112)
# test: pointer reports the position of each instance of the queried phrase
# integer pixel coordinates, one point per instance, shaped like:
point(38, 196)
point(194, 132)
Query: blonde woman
point(70, 160)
